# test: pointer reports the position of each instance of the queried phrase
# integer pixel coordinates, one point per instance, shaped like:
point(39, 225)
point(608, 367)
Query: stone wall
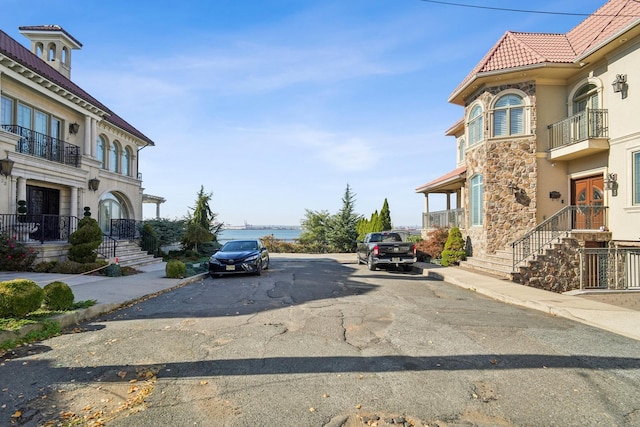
point(501, 162)
point(558, 270)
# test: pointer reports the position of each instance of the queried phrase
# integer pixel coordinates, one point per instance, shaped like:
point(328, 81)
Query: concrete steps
point(129, 254)
point(499, 264)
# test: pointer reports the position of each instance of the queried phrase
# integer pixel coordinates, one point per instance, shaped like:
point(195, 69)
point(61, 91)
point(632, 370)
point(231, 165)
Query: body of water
point(286, 235)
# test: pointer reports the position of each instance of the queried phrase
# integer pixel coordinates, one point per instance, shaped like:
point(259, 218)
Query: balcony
point(581, 135)
point(44, 146)
point(448, 218)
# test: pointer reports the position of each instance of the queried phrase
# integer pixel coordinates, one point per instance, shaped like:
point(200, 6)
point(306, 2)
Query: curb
point(75, 317)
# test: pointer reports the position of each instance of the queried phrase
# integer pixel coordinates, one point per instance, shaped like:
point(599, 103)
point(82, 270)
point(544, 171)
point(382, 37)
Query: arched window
point(586, 97)
point(39, 50)
point(508, 116)
point(114, 156)
point(126, 161)
point(476, 125)
point(475, 200)
point(101, 146)
point(110, 207)
point(461, 150)
point(51, 55)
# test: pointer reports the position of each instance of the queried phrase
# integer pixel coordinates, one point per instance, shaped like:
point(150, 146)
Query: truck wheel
point(407, 267)
point(370, 263)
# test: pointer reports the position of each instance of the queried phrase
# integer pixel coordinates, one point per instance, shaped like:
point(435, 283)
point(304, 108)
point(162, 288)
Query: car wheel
point(370, 263)
point(259, 268)
point(358, 259)
point(266, 267)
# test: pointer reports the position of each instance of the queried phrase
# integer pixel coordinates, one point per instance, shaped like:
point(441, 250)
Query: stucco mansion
point(546, 182)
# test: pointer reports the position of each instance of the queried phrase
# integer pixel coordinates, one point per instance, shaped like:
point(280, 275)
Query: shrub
point(433, 245)
point(18, 297)
point(175, 269)
point(72, 267)
point(114, 270)
point(85, 240)
point(454, 249)
point(44, 266)
point(14, 255)
point(58, 296)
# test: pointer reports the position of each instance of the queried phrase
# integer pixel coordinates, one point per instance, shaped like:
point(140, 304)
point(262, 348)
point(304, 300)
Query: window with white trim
point(475, 126)
point(475, 201)
point(461, 150)
point(6, 111)
point(114, 156)
point(508, 116)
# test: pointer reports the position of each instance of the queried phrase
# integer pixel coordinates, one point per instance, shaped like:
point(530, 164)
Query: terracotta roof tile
point(456, 173)
point(17, 52)
point(522, 49)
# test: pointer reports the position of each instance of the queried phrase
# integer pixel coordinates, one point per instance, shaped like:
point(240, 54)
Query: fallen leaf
point(122, 374)
point(16, 414)
point(312, 409)
point(204, 382)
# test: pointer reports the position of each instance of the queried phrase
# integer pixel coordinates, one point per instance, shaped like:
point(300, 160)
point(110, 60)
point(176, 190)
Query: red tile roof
point(515, 50)
point(17, 52)
point(444, 179)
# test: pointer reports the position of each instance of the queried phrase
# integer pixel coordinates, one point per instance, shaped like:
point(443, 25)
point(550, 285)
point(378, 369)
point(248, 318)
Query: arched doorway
point(111, 207)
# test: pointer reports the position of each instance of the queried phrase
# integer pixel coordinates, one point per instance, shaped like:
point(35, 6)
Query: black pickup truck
point(386, 248)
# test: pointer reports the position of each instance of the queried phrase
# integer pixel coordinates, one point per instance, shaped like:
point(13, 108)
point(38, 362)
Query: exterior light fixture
point(611, 183)
point(6, 166)
point(620, 85)
point(94, 183)
point(74, 127)
point(513, 188)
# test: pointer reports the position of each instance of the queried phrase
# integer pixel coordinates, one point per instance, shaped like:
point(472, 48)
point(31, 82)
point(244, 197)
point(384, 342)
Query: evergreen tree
point(201, 226)
point(342, 231)
point(314, 231)
point(385, 217)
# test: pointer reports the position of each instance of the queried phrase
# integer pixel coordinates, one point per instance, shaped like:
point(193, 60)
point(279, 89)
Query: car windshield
point(240, 246)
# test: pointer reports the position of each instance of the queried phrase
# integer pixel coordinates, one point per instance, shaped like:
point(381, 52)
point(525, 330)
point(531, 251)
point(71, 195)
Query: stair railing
point(534, 241)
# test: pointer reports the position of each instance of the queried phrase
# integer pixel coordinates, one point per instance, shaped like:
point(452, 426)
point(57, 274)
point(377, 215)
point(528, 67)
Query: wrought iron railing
point(585, 125)
point(38, 228)
point(583, 217)
point(45, 146)
point(130, 229)
point(610, 268)
point(448, 218)
point(108, 247)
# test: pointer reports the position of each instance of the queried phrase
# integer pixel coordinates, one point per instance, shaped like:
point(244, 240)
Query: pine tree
point(342, 231)
point(385, 217)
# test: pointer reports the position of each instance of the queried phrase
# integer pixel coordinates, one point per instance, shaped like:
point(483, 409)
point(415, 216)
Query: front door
point(588, 198)
point(44, 208)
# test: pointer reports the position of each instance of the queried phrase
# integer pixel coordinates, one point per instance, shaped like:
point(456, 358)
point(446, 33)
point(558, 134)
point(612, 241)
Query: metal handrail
point(582, 217)
point(44, 146)
point(108, 246)
point(587, 124)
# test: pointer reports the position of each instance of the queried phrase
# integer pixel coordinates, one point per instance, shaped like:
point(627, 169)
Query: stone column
point(87, 135)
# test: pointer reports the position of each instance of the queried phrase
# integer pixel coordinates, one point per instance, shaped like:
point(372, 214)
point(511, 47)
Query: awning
point(447, 183)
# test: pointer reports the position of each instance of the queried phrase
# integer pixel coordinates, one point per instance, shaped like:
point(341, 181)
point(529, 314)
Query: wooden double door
point(43, 206)
point(587, 195)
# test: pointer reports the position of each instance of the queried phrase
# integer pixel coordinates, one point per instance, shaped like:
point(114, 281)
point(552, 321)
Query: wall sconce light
point(554, 195)
point(620, 85)
point(610, 181)
point(513, 188)
point(94, 183)
point(6, 166)
point(74, 127)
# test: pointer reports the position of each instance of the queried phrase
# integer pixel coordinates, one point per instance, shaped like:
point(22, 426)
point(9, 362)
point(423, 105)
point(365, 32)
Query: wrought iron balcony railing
point(588, 124)
point(45, 146)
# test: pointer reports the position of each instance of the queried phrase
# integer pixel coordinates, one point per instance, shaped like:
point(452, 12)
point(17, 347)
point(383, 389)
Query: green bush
point(18, 297)
point(454, 249)
point(175, 269)
point(14, 255)
point(85, 240)
point(72, 267)
point(45, 266)
point(114, 270)
point(58, 296)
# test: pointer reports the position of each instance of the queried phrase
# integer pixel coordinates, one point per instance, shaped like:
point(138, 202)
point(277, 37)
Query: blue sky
point(274, 106)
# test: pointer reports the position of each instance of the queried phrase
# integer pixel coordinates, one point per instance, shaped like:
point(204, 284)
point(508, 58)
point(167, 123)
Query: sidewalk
point(111, 293)
point(612, 318)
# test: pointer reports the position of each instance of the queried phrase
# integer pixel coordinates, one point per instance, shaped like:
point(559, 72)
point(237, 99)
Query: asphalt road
point(320, 343)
